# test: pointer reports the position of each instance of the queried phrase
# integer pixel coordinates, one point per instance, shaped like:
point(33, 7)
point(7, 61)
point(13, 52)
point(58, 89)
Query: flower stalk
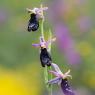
point(47, 76)
point(45, 54)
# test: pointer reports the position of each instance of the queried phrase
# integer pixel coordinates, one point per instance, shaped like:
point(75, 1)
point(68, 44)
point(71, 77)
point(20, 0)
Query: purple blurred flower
point(66, 44)
point(80, 2)
point(84, 23)
point(61, 79)
point(64, 40)
point(56, 10)
point(3, 16)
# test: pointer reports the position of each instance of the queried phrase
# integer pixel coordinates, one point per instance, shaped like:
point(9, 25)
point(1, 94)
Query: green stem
point(49, 48)
point(42, 28)
point(46, 75)
point(50, 87)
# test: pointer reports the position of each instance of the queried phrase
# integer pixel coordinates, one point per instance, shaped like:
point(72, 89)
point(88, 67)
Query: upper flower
point(37, 11)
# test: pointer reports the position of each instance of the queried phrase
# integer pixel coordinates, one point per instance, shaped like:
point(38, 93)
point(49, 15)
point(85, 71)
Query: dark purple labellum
point(66, 88)
point(45, 57)
point(33, 24)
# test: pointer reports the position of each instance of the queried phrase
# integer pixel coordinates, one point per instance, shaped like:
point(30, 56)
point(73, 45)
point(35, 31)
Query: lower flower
point(61, 79)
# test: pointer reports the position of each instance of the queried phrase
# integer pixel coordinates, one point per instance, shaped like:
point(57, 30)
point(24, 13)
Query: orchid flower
point(35, 15)
point(45, 57)
point(61, 79)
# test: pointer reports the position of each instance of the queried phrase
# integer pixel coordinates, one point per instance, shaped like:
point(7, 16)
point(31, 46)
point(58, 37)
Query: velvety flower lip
point(33, 23)
point(66, 87)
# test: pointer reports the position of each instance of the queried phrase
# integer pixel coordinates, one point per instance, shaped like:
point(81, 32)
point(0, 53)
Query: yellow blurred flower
point(20, 83)
point(85, 49)
point(11, 85)
point(89, 79)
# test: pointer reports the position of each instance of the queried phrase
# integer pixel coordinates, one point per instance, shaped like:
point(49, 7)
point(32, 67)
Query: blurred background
point(71, 21)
